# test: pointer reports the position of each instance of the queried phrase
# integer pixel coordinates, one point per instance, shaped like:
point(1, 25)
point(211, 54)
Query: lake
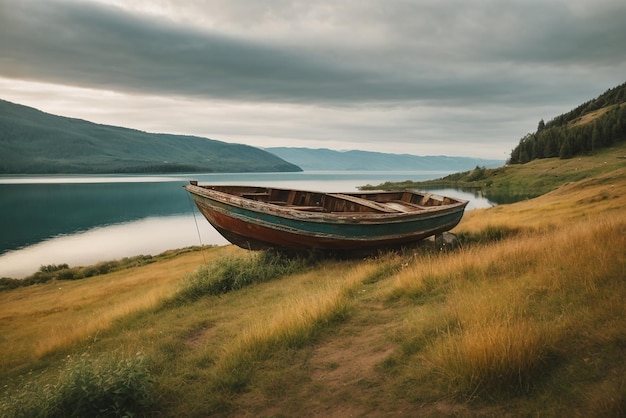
point(81, 220)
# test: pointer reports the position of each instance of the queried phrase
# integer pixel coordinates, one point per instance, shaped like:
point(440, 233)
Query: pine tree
point(566, 150)
point(596, 138)
point(541, 126)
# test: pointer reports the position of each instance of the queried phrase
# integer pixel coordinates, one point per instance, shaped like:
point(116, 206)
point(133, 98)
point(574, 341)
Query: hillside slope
point(326, 159)
point(34, 142)
point(515, 182)
point(525, 319)
point(595, 124)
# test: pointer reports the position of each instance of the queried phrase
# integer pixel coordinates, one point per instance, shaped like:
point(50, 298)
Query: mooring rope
point(193, 211)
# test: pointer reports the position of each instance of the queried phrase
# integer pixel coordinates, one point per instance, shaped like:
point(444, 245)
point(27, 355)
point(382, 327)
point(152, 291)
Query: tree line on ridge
point(596, 124)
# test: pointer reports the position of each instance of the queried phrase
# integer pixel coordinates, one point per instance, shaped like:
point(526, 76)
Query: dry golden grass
point(591, 116)
point(40, 319)
point(295, 322)
point(483, 361)
point(534, 321)
point(571, 203)
point(499, 314)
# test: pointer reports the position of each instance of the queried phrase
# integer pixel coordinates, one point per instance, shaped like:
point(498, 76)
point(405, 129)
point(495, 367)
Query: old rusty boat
point(258, 218)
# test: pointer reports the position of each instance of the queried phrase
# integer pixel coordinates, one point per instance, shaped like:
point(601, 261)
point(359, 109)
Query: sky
point(422, 77)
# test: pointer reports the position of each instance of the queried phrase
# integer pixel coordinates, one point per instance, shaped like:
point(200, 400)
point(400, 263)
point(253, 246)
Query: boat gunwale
point(296, 212)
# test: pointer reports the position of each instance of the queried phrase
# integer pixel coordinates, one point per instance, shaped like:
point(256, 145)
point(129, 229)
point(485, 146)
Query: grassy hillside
point(524, 318)
point(34, 142)
point(521, 181)
point(595, 124)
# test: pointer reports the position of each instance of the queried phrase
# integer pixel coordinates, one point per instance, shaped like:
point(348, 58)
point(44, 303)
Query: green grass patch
point(512, 183)
point(233, 273)
point(107, 386)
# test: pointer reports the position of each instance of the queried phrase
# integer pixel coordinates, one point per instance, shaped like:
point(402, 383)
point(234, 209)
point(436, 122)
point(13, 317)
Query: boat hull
point(256, 226)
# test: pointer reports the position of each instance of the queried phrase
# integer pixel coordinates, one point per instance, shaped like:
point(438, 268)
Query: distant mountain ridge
point(326, 159)
point(35, 142)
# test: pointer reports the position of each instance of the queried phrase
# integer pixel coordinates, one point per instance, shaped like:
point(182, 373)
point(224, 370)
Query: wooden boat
point(298, 220)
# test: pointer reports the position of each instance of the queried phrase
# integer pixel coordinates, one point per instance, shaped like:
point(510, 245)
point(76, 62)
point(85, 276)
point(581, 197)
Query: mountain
point(34, 142)
point(325, 159)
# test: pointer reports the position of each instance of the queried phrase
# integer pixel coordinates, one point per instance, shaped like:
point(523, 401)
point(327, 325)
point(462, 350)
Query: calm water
point(80, 220)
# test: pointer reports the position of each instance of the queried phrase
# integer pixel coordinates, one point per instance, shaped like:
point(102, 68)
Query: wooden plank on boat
point(412, 206)
point(364, 202)
point(306, 208)
point(399, 206)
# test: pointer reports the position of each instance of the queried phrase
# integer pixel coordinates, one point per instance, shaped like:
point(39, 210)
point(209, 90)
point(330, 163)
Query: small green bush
point(51, 268)
point(110, 386)
point(477, 174)
point(8, 283)
point(71, 274)
point(233, 273)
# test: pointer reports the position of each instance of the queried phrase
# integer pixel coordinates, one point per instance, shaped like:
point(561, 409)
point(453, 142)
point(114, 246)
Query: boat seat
point(400, 207)
point(399, 203)
point(364, 202)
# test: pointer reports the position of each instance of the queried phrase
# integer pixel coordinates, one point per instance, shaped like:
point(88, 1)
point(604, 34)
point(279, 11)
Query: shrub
point(477, 174)
point(109, 386)
point(70, 274)
point(233, 273)
point(8, 283)
point(51, 268)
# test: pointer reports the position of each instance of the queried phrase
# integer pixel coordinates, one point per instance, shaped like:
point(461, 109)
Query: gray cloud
point(415, 72)
point(417, 51)
point(93, 45)
point(564, 34)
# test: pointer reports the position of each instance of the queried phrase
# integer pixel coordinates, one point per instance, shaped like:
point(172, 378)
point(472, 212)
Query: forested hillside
point(34, 142)
point(593, 125)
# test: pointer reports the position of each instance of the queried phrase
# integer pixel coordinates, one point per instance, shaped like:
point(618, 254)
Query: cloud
point(414, 51)
point(417, 75)
point(93, 45)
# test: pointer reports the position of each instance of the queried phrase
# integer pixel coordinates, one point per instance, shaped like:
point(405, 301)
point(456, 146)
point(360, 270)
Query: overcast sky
point(423, 77)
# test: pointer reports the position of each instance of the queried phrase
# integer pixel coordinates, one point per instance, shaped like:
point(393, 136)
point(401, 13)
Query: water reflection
point(30, 213)
point(80, 220)
point(146, 236)
point(33, 209)
point(475, 197)
point(502, 196)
